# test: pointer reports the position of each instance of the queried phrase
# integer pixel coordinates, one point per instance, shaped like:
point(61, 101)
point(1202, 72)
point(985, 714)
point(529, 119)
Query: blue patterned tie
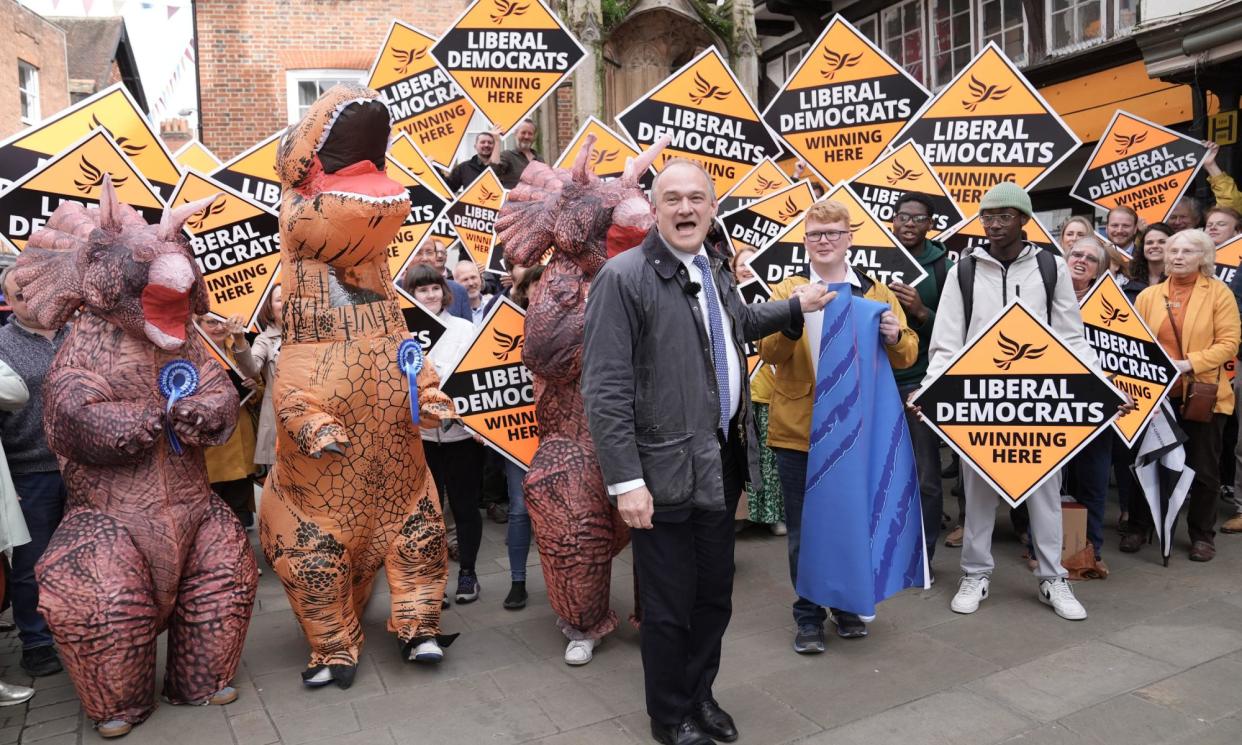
point(719, 356)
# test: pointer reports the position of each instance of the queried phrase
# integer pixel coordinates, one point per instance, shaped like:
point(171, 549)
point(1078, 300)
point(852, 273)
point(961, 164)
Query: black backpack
point(966, 280)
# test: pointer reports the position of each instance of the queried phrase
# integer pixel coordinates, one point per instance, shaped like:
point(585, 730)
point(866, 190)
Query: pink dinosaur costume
point(144, 546)
point(583, 220)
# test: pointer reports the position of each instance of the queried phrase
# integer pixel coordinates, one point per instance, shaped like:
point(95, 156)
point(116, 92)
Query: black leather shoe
point(686, 733)
point(715, 721)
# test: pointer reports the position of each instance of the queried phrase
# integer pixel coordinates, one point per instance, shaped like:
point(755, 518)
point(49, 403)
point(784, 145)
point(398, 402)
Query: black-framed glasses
point(902, 217)
point(815, 236)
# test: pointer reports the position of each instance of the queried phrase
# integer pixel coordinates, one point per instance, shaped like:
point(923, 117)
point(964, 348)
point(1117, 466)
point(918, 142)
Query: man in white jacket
point(1008, 268)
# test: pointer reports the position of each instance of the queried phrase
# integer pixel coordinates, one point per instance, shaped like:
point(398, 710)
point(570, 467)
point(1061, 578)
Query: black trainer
point(809, 639)
point(516, 599)
point(849, 625)
point(39, 662)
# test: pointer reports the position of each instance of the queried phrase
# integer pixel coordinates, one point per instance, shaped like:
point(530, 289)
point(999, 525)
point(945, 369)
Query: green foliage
point(614, 12)
point(717, 18)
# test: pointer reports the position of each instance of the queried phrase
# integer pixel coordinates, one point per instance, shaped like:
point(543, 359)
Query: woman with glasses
point(1195, 319)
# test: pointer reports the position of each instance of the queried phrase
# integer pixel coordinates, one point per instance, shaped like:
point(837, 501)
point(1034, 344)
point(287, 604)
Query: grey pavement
point(1159, 660)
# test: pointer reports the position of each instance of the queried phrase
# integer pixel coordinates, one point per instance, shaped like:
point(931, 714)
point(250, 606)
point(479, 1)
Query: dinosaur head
point(141, 278)
point(576, 213)
point(338, 201)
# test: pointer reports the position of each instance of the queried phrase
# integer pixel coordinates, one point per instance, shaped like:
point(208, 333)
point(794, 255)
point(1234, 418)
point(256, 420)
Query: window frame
point(1025, 58)
point(874, 20)
point(1051, 47)
point(972, 44)
point(33, 113)
point(923, 34)
point(318, 74)
point(1115, 24)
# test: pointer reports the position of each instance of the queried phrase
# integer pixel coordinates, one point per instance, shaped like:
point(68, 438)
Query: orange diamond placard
point(253, 173)
point(425, 207)
point(988, 125)
point(405, 152)
point(760, 222)
point(1128, 351)
point(709, 117)
point(762, 180)
point(236, 242)
point(1140, 165)
point(422, 324)
point(473, 216)
point(507, 56)
point(1228, 257)
point(844, 103)
point(608, 154)
point(194, 155)
point(76, 175)
point(425, 103)
point(114, 111)
point(966, 237)
point(492, 390)
point(903, 170)
point(1016, 403)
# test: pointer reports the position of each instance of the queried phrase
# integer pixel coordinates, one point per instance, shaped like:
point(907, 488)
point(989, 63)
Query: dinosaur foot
point(321, 675)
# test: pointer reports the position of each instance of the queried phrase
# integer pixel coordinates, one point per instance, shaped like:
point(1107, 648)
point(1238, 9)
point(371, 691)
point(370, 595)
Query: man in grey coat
point(668, 401)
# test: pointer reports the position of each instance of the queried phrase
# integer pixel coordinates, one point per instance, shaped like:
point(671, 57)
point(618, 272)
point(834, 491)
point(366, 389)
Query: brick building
point(99, 54)
point(33, 78)
point(262, 62)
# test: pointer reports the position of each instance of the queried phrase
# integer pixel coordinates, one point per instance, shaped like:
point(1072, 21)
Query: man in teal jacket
point(911, 220)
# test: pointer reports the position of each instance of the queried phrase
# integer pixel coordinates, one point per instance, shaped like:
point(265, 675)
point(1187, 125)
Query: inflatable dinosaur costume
point(350, 489)
point(144, 546)
point(584, 220)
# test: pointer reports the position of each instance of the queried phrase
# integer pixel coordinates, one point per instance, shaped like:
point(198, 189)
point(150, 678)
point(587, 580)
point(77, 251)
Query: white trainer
point(579, 652)
point(428, 652)
point(970, 592)
point(1057, 593)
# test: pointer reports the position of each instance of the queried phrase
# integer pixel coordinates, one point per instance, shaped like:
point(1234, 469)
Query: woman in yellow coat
point(230, 465)
point(1195, 319)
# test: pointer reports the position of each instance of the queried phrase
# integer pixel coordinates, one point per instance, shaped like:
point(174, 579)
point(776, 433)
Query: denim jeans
point(1087, 479)
point(43, 505)
point(927, 462)
point(791, 464)
point(517, 533)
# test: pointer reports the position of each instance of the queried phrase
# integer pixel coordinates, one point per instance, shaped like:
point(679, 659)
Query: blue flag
point(862, 523)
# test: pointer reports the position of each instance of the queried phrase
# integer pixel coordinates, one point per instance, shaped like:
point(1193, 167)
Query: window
point(1073, 23)
point(951, 35)
point(1004, 22)
point(28, 89)
point(304, 87)
point(1127, 15)
point(902, 27)
point(870, 28)
point(792, 58)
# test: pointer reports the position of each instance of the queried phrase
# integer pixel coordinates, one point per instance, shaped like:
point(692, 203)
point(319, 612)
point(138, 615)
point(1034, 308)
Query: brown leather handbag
point(1200, 398)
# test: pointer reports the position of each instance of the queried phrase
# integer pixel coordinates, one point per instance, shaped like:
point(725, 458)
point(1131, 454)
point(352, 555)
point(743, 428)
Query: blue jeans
point(927, 462)
point(43, 505)
point(517, 534)
point(1088, 484)
point(791, 465)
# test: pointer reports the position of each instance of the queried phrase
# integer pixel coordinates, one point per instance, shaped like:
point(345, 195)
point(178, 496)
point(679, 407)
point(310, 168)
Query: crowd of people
point(747, 438)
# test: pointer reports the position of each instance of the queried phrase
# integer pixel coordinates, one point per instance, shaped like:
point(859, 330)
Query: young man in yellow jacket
point(827, 243)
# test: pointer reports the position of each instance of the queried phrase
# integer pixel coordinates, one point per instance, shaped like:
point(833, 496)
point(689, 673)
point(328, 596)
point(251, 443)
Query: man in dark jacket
point(667, 397)
point(912, 217)
point(486, 155)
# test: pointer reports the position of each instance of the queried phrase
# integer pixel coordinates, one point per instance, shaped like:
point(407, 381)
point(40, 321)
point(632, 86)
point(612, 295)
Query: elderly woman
point(1087, 474)
point(1195, 318)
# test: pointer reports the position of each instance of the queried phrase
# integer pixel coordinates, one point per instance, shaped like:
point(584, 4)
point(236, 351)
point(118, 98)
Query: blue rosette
point(178, 379)
point(410, 360)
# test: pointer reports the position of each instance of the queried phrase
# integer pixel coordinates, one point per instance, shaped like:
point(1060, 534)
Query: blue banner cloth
point(862, 523)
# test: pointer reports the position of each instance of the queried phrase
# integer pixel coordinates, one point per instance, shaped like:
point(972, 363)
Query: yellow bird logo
point(1111, 314)
point(486, 194)
point(837, 62)
point(195, 221)
point(901, 173)
point(407, 57)
point(93, 177)
point(704, 91)
point(1014, 352)
point(127, 145)
point(507, 343)
point(789, 211)
point(1125, 142)
point(981, 92)
point(506, 8)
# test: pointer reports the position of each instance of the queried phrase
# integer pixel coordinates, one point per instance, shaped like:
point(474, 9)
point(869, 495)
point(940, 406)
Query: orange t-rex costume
point(350, 489)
